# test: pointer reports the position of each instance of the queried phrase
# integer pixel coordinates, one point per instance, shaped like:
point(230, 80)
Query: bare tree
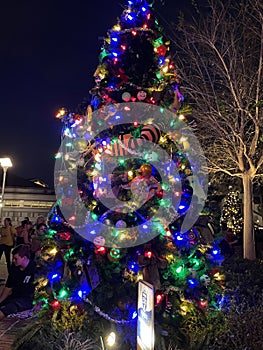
point(219, 57)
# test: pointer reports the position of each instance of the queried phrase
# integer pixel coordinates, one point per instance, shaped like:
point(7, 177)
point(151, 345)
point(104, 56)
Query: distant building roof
point(13, 180)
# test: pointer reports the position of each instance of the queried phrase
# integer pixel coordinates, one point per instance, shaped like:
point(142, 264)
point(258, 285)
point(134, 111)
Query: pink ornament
point(141, 95)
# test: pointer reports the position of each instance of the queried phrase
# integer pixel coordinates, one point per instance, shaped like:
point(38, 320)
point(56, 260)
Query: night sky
point(48, 53)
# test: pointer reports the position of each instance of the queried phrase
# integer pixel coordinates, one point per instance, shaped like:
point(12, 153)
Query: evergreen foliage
point(83, 283)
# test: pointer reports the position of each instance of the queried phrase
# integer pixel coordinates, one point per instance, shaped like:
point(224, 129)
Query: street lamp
point(5, 164)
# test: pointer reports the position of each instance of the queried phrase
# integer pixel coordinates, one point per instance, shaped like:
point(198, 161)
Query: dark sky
point(48, 53)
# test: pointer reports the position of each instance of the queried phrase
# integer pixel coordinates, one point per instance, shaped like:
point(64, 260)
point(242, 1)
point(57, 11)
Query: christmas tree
point(130, 182)
point(231, 212)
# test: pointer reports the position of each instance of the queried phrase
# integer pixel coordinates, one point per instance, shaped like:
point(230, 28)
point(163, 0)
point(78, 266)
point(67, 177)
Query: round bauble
point(141, 95)
point(114, 254)
point(205, 280)
point(120, 224)
point(99, 241)
point(145, 170)
point(161, 50)
point(126, 96)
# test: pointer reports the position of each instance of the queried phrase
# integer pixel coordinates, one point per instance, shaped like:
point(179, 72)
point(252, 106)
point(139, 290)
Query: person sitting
point(18, 292)
point(229, 240)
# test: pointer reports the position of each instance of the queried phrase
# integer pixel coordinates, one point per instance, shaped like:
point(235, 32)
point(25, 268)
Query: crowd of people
point(27, 233)
point(24, 244)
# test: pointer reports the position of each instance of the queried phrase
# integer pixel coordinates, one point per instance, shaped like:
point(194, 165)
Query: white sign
point(145, 324)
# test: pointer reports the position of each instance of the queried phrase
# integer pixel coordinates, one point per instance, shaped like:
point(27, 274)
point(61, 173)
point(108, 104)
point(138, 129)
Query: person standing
point(18, 293)
point(7, 237)
point(36, 240)
point(22, 232)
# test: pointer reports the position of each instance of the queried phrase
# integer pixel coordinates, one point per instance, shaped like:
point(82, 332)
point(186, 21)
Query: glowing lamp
point(61, 113)
point(179, 269)
point(115, 253)
point(159, 298)
point(55, 304)
point(100, 250)
point(53, 251)
point(215, 251)
point(55, 276)
point(203, 303)
point(117, 28)
point(134, 315)
point(148, 254)
point(111, 338)
point(64, 236)
point(131, 17)
point(63, 293)
point(192, 283)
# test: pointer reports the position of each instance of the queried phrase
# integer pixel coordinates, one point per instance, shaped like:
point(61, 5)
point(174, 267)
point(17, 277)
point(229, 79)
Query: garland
point(106, 316)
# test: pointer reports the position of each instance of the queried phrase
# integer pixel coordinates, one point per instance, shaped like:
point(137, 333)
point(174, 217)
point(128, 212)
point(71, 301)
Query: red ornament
point(203, 303)
point(64, 236)
point(148, 254)
point(159, 298)
point(100, 250)
point(161, 50)
point(55, 304)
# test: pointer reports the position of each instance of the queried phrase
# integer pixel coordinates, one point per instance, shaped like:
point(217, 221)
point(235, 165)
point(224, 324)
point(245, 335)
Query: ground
point(8, 326)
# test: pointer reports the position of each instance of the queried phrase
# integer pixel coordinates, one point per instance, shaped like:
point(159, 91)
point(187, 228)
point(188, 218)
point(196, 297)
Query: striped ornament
point(126, 143)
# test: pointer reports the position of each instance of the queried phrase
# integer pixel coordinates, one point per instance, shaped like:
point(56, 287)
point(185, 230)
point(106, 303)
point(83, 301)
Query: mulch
point(9, 327)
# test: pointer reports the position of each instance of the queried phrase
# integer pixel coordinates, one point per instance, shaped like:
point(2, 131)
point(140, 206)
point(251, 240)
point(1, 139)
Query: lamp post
point(5, 164)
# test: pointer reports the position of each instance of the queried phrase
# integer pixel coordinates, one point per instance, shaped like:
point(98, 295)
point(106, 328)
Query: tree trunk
point(248, 228)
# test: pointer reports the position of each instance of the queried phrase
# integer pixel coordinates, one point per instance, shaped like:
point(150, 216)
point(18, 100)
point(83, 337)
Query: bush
point(244, 282)
point(237, 326)
point(41, 334)
point(241, 331)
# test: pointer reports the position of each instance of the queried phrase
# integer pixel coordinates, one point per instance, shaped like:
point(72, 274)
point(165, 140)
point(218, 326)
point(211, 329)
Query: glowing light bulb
point(53, 251)
point(179, 269)
point(55, 304)
point(117, 27)
point(63, 293)
point(111, 338)
point(203, 303)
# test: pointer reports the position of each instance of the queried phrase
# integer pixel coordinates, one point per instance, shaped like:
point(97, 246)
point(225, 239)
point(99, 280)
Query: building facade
point(26, 198)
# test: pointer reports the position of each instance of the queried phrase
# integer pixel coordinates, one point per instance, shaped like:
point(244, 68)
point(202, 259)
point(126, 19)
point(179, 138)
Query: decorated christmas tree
point(231, 212)
point(130, 183)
